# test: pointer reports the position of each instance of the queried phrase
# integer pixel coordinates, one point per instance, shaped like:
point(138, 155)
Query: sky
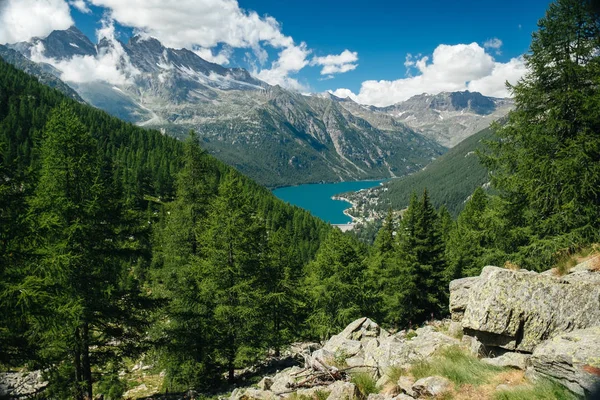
point(377, 52)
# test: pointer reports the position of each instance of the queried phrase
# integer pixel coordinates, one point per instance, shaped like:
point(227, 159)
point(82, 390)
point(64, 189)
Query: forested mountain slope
point(102, 222)
point(450, 180)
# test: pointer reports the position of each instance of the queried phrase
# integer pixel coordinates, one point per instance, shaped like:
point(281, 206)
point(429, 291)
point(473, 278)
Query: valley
point(276, 136)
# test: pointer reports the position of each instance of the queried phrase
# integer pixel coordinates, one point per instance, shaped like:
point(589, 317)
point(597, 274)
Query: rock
point(21, 384)
point(312, 392)
point(572, 359)
point(512, 360)
point(252, 394)
point(265, 383)
point(590, 265)
point(283, 379)
point(431, 386)
point(382, 381)
point(518, 310)
point(405, 384)
point(348, 343)
point(503, 386)
point(455, 329)
point(403, 396)
point(459, 296)
point(378, 396)
point(341, 390)
point(475, 347)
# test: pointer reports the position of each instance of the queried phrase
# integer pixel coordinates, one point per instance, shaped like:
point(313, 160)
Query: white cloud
point(110, 65)
point(493, 43)
point(20, 20)
point(336, 64)
point(204, 23)
point(222, 57)
point(452, 68)
point(494, 85)
point(81, 5)
point(291, 60)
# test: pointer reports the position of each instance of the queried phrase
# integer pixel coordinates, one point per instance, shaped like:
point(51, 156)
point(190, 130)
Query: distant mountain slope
point(275, 136)
point(45, 73)
point(447, 118)
point(449, 180)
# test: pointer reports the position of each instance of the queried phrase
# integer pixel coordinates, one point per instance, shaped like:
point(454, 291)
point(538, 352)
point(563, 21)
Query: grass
point(319, 395)
point(542, 390)
point(456, 365)
point(568, 259)
point(394, 373)
point(365, 383)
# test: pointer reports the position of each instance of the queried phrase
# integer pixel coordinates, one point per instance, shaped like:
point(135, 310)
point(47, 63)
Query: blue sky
point(354, 48)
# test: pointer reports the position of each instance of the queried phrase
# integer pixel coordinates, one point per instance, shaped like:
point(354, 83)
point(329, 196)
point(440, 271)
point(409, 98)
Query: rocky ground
point(512, 335)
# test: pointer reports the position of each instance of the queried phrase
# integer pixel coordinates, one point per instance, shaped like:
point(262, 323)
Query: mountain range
point(274, 135)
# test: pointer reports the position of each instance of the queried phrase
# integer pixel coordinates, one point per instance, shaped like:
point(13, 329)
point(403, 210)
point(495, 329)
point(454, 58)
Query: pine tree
point(188, 349)
point(336, 285)
point(420, 238)
point(82, 299)
point(282, 302)
point(547, 161)
point(233, 249)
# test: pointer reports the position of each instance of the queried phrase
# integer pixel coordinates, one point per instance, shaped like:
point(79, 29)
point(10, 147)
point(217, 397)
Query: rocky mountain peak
point(66, 44)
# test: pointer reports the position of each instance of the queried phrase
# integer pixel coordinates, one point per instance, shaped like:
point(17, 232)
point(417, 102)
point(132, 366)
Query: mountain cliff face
point(276, 136)
point(449, 118)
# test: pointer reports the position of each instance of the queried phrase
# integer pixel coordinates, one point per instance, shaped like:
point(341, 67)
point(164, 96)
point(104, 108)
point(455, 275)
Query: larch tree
point(84, 298)
point(546, 162)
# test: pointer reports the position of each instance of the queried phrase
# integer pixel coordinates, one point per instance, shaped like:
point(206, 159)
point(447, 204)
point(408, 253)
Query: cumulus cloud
point(81, 6)
point(493, 43)
point(203, 24)
point(222, 57)
point(20, 20)
point(451, 68)
point(336, 64)
point(291, 60)
point(494, 85)
point(110, 65)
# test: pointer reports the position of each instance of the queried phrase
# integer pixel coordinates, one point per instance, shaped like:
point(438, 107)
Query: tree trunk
point(87, 368)
point(78, 369)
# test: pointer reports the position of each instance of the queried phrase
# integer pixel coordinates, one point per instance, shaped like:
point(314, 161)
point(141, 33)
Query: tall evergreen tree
point(79, 281)
point(336, 284)
point(547, 161)
point(282, 302)
point(420, 237)
point(229, 272)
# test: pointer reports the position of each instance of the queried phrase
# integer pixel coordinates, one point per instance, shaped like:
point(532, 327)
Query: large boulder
point(459, 296)
point(572, 359)
point(509, 359)
point(517, 310)
point(363, 344)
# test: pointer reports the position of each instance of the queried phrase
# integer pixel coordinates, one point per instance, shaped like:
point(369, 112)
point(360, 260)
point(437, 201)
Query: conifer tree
point(336, 284)
point(82, 299)
point(282, 302)
point(547, 161)
point(233, 248)
point(420, 238)
point(189, 339)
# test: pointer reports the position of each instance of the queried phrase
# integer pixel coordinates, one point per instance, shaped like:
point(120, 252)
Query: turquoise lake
point(316, 198)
